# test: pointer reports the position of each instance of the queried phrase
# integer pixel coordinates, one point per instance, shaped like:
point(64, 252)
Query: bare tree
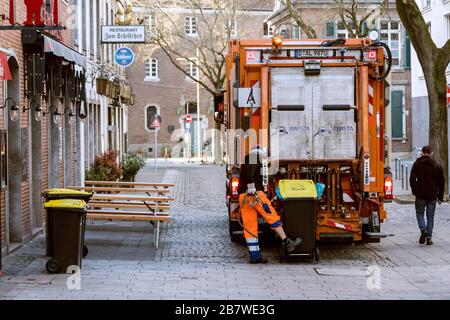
point(350, 17)
point(350, 13)
point(296, 14)
point(204, 46)
point(434, 62)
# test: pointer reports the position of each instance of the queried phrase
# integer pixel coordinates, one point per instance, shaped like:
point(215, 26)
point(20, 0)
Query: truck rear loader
point(318, 106)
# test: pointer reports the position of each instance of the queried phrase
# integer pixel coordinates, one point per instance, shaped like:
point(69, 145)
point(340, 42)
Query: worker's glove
point(251, 189)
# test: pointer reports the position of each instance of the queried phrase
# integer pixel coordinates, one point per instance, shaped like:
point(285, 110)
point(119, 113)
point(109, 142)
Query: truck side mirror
point(219, 107)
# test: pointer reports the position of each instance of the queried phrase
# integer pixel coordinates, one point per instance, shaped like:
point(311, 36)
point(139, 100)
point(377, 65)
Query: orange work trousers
point(250, 207)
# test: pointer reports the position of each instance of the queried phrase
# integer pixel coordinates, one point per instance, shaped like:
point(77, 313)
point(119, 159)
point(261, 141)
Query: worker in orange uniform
point(253, 201)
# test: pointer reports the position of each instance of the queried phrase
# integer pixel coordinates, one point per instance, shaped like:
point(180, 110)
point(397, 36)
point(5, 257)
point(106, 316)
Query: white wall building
point(106, 126)
point(437, 15)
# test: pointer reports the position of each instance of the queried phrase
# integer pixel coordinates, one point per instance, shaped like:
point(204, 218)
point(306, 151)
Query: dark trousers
point(429, 206)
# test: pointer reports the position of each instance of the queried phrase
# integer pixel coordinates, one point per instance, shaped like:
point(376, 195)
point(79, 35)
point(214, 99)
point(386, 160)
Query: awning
point(5, 73)
point(63, 51)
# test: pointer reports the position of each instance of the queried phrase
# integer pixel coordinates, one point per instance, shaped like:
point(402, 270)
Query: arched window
point(150, 113)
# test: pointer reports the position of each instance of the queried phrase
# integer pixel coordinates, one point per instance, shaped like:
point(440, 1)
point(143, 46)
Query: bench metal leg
point(156, 241)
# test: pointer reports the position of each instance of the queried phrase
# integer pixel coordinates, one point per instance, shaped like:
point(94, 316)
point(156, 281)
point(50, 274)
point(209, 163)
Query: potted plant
point(131, 165)
point(104, 168)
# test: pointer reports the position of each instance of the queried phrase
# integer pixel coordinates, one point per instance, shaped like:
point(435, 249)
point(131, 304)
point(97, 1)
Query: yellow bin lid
point(305, 189)
point(66, 204)
point(66, 191)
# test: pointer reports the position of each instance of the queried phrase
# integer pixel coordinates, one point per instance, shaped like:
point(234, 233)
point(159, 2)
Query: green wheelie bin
point(65, 238)
point(58, 194)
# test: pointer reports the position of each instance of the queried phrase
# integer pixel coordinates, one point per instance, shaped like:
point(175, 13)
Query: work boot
point(429, 242)
point(423, 236)
point(260, 260)
point(290, 245)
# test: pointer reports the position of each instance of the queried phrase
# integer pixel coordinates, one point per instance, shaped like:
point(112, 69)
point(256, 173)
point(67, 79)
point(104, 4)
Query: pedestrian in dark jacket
point(427, 184)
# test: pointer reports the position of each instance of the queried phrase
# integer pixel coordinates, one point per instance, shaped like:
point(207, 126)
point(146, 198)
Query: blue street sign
point(124, 57)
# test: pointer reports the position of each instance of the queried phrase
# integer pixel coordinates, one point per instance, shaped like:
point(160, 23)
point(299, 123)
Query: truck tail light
point(373, 55)
point(388, 188)
point(234, 188)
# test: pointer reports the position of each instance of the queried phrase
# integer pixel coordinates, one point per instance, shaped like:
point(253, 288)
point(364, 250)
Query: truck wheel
point(53, 265)
point(232, 227)
point(85, 251)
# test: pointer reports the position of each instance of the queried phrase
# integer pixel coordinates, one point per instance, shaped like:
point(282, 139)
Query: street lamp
point(15, 109)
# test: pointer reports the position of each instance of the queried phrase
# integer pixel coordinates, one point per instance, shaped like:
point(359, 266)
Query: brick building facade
point(35, 154)
point(160, 87)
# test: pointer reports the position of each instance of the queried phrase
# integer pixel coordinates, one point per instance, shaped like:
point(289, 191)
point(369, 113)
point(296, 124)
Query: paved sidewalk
point(196, 259)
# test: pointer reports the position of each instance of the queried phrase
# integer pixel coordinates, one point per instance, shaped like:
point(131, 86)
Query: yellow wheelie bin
point(62, 193)
point(65, 236)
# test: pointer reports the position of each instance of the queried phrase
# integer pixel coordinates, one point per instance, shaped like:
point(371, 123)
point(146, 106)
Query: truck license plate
point(310, 53)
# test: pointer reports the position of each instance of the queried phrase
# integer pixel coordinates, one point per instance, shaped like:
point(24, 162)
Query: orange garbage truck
point(318, 106)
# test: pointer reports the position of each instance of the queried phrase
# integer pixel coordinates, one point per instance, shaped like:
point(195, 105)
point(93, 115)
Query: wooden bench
point(126, 204)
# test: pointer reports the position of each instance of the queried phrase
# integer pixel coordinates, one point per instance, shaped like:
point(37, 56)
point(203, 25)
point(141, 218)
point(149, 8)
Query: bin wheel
point(53, 265)
point(85, 251)
point(317, 254)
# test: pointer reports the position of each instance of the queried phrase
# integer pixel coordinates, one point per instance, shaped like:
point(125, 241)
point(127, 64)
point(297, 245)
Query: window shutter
point(407, 51)
point(397, 114)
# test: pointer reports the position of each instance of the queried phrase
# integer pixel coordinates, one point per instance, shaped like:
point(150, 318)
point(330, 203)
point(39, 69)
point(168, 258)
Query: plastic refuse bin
point(57, 194)
point(65, 234)
point(299, 216)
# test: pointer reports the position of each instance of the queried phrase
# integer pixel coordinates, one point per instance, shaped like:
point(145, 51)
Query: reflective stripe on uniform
point(252, 244)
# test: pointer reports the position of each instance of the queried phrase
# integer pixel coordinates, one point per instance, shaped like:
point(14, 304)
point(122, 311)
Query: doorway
point(13, 194)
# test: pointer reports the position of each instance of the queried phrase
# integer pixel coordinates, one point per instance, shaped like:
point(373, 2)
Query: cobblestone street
point(197, 260)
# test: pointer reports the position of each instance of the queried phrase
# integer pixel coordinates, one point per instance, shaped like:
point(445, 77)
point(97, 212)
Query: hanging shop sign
point(40, 15)
point(123, 34)
point(124, 57)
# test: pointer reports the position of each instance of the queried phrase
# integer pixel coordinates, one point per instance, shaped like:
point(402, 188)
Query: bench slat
point(125, 206)
point(130, 198)
point(122, 190)
point(118, 183)
point(137, 217)
point(148, 213)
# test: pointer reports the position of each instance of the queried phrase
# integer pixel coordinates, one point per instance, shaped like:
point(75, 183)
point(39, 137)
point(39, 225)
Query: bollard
point(402, 176)
point(396, 168)
point(406, 177)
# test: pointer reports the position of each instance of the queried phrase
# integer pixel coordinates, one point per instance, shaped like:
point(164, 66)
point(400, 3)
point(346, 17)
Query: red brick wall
point(12, 40)
point(166, 93)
